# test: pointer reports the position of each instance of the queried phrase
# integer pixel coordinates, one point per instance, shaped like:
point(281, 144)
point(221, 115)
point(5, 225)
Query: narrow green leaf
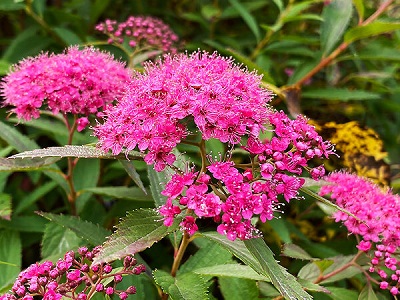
point(33, 164)
point(294, 251)
point(157, 183)
point(367, 293)
point(131, 170)
point(238, 288)
point(5, 206)
point(9, 5)
point(24, 224)
point(341, 94)
point(231, 270)
point(68, 36)
point(120, 192)
point(34, 196)
point(296, 9)
point(375, 28)
point(279, 4)
point(247, 17)
point(359, 5)
point(10, 255)
point(139, 230)
point(57, 240)
point(336, 15)
point(90, 232)
point(282, 280)
point(15, 139)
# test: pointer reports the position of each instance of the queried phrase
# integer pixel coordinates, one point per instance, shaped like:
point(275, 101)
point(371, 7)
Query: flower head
point(79, 82)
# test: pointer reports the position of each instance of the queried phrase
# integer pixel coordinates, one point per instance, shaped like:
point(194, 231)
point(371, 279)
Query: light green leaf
point(120, 192)
point(238, 288)
point(10, 256)
point(336, 15)
point(5, 206)
point(375, 28)
point(15, 139)
point(163, 279)
point(131, 170)
point(57, 240)
point(231, 270)
point(139, 230)
point(4, 67)
point(247, 17)
point(367, 293)
point(341, 94)
point(312, 287)
point(68, 36)
point(359, 5)
point(279, 4)
point(342, 293)
point(294, 251)
point(90, 232)
point(338, 262)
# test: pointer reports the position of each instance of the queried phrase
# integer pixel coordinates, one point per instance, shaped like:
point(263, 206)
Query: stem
point(179, 255)
point(203, 154)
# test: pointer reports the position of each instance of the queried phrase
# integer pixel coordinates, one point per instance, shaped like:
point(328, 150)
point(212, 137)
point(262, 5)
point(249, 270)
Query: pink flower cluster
point(232, 198)
point(72, 277)
point(141, 32)
point(224, 101)
point(79, 82)
point(380, 227)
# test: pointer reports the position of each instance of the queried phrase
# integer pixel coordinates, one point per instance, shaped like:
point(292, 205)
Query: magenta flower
point(379, 228)
point(141, 32)
point(80, 82)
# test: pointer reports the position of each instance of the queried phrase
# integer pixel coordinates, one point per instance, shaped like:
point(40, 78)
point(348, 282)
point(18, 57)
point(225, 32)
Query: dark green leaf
point(90, 232)
point(8, 5)
point(367, 293)
point(281, 229)
point(163, 279)
point(247, 17)
point(68, 36)
point(15, 139)
point(97, 9)
point(34, 196)
point(131, 170)
point(231, 270)
point(157, 183)
point(120, 192)
point(10, 256)
point(238, 288)
point(32, 164)
point(5, 206)
point(57, 240)
point(341, 94)
point(139, 230)
point(24, 223)
point(338, 263)
point(342, 293)
point(294, 251)
point(336, 15)
point(375, 28)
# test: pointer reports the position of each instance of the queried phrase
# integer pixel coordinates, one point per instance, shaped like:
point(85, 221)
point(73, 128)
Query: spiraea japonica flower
point(209, 96)
point(79, 82)
point(378, 223)
point(73, 277)
point(141, 32)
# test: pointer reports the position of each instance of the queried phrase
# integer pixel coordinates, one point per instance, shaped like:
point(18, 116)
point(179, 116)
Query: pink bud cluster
point(224, 101)
point(233, 198)
point(141, 32)
point(73, 277)
point(79, 82)
point(378, 211)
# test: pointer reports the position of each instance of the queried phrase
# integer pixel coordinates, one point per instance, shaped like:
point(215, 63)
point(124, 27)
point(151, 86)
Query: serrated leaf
point(73, 151)
point(367, 293)
point(157, 183)
point(247, 17)
point(231, 270)
point(57, 240)
point(5, 206)
point(163, 279)
point(294, 251)
point(372, 29)
point(131, 170)
point(90, 232)
point(120, 192)
point(139, 230)
point(336, 15)
point(238, 288)
point(256, 254)
point(10, 256)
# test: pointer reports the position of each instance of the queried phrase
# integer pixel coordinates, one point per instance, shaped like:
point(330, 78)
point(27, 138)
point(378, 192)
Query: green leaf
point(342, 293)
point(256, 254)
point(85, 175)
point(375, 28)
point(131, 170)
point(4, 67)
point(8, 5)
point(339, 262)
point(68, 36)
point(186, 286)
point(57, 240)
point(5, 206)
point(120, 192)
point(231, 270)
point(34, 196)
point(312, 287)
point(294, 251)
point(139, 230)
point(25, 224)
point(282, 280)
point(238, 288)
point(279, 4)
point(336, 15)
point(157, 183)
point(90, 232)
point(341, 94)
point(33, 164)
point(97, 9)
point(15, 139)
point(10, 256)
point(247, 17)
point(281, 229)
point(359, 5)
point(367, 293)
